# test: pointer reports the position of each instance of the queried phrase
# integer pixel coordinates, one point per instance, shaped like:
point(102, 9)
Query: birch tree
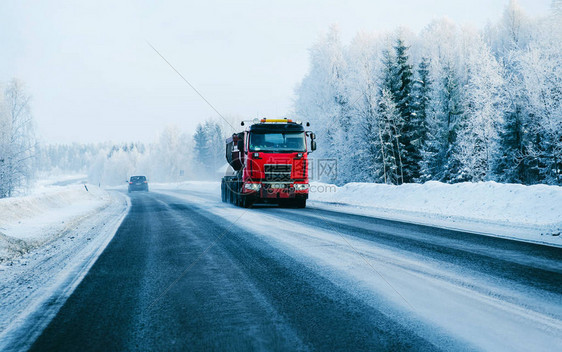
point(17, 139)
point(483, 112)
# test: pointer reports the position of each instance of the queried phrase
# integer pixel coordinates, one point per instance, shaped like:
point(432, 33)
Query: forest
point(451, 103)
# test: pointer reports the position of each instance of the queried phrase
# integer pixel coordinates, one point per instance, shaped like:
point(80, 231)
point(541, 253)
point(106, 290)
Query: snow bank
point(30, 221)
point(48, 242)
point(524, 212)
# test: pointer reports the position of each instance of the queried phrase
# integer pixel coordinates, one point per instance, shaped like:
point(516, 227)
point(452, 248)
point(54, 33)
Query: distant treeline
point(175, 156)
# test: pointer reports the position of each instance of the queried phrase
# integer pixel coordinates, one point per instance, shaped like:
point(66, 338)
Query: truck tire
point(292, 203)
point(247, 202)
point(300, 203)
point(286, 203)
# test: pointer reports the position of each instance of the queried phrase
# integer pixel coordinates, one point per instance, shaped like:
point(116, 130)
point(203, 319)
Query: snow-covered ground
point(31, 221)
point(529, 213)
point(48, 241)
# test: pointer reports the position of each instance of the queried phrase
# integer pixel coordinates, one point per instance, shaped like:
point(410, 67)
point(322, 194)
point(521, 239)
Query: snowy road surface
point(187, 272)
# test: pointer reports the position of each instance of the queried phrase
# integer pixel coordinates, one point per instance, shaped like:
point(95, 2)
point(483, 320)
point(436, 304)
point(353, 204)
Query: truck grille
point(277, 172)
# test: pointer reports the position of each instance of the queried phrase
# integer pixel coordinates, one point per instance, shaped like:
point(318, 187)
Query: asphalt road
point(178, 275)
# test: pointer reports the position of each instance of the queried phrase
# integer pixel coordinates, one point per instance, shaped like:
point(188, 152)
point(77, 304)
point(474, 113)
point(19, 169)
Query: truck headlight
point(252, 186)
point(301, 186)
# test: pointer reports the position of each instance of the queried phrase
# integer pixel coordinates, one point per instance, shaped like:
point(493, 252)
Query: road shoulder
point(36, 284)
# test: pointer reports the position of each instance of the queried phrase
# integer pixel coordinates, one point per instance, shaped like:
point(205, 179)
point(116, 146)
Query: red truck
point(269, 163)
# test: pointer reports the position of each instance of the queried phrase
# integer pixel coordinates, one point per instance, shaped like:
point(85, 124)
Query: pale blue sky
point(93, 77)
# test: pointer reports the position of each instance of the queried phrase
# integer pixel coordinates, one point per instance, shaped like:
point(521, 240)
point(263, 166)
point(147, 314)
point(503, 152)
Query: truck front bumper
point(278, 191)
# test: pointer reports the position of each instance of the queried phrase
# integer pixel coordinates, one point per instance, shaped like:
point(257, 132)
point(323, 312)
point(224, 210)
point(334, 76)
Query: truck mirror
point(240, 145)
point(313, 145)
point(312, 135)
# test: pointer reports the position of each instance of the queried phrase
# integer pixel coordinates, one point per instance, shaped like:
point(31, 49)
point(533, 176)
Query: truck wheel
point(300, 203)
point(223, 195)
point(247, 202)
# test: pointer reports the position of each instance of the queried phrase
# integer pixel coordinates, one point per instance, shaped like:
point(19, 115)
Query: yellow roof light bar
point(275, 120)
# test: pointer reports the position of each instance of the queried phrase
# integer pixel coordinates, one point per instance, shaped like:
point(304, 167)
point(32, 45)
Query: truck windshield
point(277, 142)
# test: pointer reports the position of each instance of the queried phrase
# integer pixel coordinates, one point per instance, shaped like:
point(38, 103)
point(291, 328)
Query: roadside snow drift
point(48, 242)
point(524, 212)
point(31, 221)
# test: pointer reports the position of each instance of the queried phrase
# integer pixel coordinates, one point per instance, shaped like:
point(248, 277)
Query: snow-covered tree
point(364, 153)
point(512, 32)
point(391, 126)
point(421, 89)
point(17, 139)
point(402, 91)
point(169, 156)
point(541, 67)
point(477, 147)
point(509, 39)
point(209, 144)
point(323, 99)
point(440, 42)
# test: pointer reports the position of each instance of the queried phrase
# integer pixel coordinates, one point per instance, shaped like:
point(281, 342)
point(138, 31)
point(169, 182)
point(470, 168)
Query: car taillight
point(130, 183)
point(145, 182)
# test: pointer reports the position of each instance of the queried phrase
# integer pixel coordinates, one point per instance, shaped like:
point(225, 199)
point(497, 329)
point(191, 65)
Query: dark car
point(138, 183)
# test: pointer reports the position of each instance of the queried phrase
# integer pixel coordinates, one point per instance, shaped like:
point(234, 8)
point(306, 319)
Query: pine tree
point(453, 112)
point(511, 165)
point(432, 165)
point(509, 44)
point(442, 125)
point(401, 88)
point(418, 125)
point(216, 145)
point(201, 148)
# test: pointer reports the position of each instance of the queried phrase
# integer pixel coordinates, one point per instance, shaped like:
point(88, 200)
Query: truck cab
point(270, 164)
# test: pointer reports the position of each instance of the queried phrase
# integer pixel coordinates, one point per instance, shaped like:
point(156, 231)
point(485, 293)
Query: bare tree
point(17, 140)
